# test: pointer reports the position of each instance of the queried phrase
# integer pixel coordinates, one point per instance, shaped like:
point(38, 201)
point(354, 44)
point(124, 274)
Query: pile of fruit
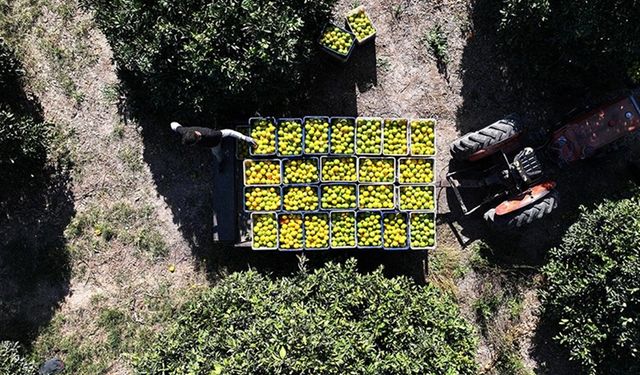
point(262, 172)
point(395, 230)
point(395, 137)
point(342, 196)
point(423, 230)
point(343, 135)
point(338, 196)
point(369, 136)
point(316, 228)
point(343, 229)
point(291, 235)
point(303, 171)
point(265, 231)
point(376, 197)
point(262, 198)
point(263, 130)
point(300, 198)
point(416, 171)
point(416, 198)
point(289, 138)
point(339, 169)
point(370, 229)
point(423, 137)
point(360, 24)
point(377, 170)
point(316, 135)
point(337, 40)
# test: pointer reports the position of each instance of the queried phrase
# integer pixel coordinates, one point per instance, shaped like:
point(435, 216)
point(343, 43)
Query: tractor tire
point(492, 135)
point(525, 215)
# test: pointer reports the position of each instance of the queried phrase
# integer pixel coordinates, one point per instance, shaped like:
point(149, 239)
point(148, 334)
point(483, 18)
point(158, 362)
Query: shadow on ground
point(34, 261)
point(185, 178)
point(541, 86)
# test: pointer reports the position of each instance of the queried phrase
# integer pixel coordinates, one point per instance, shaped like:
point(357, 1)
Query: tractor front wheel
point(525, 215)
point(486, 141)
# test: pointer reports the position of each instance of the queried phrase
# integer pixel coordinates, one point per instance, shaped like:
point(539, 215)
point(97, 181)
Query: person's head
point(191, 137)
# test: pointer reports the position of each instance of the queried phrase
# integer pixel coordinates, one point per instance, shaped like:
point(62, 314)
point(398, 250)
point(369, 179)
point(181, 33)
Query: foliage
point(592, 35)
point(436, 41)
point(24, 138)
point(593, 288)
point(206, 56)
point(12, 362)
point(332, 321)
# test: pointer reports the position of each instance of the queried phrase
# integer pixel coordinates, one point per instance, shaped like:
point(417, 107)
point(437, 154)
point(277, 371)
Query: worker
point(209, 138)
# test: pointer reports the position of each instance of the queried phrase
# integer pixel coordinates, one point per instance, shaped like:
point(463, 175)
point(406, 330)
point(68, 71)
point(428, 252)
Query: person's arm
point(237, 135)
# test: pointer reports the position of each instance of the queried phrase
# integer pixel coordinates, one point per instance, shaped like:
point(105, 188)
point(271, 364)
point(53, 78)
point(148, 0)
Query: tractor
point(513, 167)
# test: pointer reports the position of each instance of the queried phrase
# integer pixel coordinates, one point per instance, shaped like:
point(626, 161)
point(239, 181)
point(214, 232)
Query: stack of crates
point(318, 183)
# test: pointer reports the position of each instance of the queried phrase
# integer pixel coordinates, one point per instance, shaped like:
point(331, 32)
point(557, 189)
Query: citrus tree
point(332, 321)
point(593, 289)
point(208, 55)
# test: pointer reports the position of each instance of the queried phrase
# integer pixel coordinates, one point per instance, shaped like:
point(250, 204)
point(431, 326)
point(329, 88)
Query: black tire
point(526, 215)
point(494, 134)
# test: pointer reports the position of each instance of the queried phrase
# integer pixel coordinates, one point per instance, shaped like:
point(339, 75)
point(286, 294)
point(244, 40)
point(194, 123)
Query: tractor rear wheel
point(525, 215)
point(488, 138)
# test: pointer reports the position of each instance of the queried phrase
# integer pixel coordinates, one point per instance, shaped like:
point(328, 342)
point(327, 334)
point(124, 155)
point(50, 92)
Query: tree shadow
point(34, 262)
point(36, 205)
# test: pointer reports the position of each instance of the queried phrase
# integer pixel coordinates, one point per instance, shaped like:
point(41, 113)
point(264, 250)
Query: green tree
point(332, 321)
point(591, 35)
point(209, 55)
point(593, 288)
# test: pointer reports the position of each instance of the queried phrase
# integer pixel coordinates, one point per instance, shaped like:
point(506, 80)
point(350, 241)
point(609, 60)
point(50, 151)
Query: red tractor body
point(519, 175)
point(584, 135)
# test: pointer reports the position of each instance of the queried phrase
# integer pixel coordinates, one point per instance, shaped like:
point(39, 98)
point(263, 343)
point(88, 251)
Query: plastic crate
point(240, 146)
point(252, 120)
point(361, 161)
point(323, 160)
point(355, 188)
point(289, 187)
point(308, 214)
point(365, 186)
point(253, 246)
point(400, 188)
point(435, 136)
point(280, 215)
point(333, 120)
point(355, 11)
point(247, 188)
point(407, 239)
point(435, 234)
point(363, 213)
point(380, 145)
point(287, 161)
point(333, 53)
point(407, 140)
point(331, 226)
point(247, 161)
point(433, 166)
point(304, 132)
point(278, 143)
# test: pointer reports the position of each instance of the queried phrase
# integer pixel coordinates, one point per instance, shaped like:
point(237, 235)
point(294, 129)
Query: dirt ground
point(137, 213)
